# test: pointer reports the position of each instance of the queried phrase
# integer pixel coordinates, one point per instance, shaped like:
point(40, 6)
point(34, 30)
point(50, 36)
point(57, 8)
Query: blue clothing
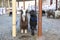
point(33, 19)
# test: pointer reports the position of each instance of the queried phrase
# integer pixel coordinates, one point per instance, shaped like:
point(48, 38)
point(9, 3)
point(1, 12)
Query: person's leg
point(35, 27)
point(32, 30)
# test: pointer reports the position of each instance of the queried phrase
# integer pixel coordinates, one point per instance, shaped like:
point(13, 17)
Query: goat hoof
point(22, 31)
point(25, 30)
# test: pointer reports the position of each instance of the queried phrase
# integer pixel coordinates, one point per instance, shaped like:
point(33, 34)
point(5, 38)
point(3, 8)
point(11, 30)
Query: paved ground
point(50, 27)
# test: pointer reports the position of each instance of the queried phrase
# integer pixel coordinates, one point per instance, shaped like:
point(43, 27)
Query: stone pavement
point(6, 29)
point(50, 29)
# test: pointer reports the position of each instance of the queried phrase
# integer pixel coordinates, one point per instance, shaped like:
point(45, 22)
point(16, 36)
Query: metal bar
point(23, 4)
point(51, 2)
point(18, 4)
point(35, 5)
point(56, 4)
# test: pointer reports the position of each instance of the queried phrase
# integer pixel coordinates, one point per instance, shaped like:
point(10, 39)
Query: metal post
point(56, 4)
point(40, 19)
point(35, 5)
point(18, 4)
point(14, 18)
point(51, 2)
point(23, 4)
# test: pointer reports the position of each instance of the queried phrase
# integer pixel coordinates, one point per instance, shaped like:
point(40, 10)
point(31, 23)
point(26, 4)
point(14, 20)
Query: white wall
point(46, 2)
point(27, 4)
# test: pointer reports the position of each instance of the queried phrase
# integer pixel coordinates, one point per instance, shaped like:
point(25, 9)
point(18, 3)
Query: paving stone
point(50, 29)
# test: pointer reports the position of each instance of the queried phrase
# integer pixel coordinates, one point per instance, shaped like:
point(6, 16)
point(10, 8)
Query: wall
point(46, 2)
point(27, 4)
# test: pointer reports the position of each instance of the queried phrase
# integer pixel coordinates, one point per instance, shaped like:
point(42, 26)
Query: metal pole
point(50, 2)
point(35, 5)
point(14, 18)
point(18, 4)
point(56, 4)
point(23, 4)
point(40, 19)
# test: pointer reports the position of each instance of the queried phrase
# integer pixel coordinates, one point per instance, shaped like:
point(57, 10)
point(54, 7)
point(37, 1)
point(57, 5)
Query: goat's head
point(23, 15)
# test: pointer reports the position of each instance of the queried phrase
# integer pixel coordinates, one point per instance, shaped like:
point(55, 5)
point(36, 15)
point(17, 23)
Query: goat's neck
point(23, 17)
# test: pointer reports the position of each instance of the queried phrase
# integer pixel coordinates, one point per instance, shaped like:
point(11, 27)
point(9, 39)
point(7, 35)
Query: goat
point(33, 21)
point(23, 22)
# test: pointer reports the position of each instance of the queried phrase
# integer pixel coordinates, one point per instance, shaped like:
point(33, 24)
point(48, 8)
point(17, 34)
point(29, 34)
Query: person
point(33, 21)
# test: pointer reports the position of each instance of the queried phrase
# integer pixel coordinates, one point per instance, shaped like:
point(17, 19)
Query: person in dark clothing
point(33, 21)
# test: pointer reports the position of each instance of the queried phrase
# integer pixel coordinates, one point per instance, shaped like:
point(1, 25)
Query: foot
point(25, 30)
point(32, 33)
point(21, 30)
